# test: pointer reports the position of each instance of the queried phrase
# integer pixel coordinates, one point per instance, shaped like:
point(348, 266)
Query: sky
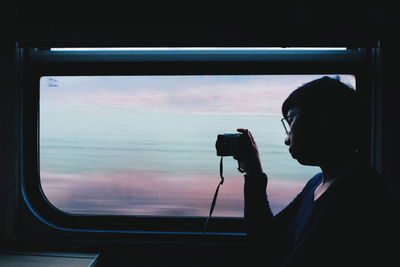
point(235, 94)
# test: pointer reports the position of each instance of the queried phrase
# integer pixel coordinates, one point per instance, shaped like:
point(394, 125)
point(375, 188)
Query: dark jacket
point(347, 226)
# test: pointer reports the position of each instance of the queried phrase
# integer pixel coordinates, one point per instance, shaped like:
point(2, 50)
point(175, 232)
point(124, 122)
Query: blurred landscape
point(145, 145)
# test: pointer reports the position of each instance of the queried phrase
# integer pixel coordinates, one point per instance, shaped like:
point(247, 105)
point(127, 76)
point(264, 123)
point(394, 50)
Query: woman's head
point(323, 121)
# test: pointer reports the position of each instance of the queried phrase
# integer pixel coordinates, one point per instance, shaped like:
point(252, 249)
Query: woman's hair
point(327, 95)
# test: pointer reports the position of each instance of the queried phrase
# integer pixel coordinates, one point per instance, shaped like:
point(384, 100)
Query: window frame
point(39, 62)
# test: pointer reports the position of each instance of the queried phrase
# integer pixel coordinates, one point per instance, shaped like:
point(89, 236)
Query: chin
point(309, 161)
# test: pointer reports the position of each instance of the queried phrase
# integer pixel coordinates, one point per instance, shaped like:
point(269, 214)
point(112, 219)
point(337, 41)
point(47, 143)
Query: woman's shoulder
point(314, 181)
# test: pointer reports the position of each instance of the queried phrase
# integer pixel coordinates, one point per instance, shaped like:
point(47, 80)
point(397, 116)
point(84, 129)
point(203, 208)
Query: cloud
point(245, 94)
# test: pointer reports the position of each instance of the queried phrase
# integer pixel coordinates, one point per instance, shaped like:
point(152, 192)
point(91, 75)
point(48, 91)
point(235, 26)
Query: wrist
point(254, 173)
point(254, 170)
point(255, 181)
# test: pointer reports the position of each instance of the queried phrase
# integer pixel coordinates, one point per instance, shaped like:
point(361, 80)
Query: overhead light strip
point(194, 48)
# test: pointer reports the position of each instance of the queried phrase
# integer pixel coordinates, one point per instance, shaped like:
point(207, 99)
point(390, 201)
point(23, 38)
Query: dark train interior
point(182, 41)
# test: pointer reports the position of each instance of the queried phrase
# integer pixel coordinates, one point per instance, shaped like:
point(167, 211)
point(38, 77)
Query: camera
point(228, 144)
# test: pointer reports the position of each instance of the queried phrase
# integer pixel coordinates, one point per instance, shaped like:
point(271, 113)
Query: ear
point(329, 122)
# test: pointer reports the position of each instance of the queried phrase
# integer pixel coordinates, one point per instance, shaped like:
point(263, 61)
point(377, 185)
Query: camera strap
point(221, 170)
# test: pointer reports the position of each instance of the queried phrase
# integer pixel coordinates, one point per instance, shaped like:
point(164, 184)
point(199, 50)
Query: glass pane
point(145, 145)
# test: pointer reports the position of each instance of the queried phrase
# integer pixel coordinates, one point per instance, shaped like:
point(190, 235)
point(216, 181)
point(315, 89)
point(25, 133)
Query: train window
point(144, 145)
point(124, 139)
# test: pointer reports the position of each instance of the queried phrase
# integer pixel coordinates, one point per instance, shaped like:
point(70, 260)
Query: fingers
point(249, 135)
point(249, 159)
point(246, 139)
point(252, 138)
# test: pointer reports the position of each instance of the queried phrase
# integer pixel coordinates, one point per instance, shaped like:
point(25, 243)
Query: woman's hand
point(249, 158)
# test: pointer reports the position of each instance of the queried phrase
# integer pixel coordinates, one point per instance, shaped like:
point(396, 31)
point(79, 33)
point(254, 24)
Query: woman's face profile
point(304, 140)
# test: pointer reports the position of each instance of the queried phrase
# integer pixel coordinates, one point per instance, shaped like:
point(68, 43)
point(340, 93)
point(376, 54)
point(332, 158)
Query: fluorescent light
point(193, 48)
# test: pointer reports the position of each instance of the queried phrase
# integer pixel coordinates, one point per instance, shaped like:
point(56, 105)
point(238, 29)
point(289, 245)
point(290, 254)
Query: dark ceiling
point(267, 25)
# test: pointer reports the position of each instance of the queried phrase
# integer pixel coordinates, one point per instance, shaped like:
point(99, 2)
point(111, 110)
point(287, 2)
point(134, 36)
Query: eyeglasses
point(286, 122)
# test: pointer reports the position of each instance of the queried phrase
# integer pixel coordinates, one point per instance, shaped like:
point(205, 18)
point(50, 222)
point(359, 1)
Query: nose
point(287, 140)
